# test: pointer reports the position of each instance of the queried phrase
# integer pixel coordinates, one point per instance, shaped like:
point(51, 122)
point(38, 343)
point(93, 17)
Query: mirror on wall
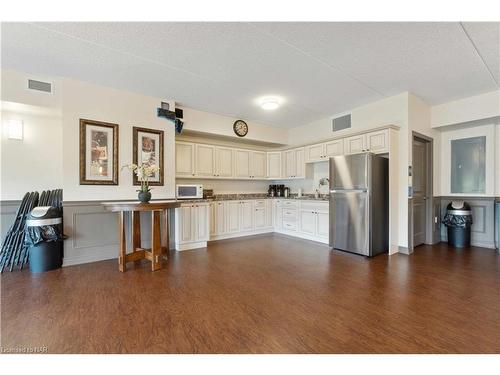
point(468, 166)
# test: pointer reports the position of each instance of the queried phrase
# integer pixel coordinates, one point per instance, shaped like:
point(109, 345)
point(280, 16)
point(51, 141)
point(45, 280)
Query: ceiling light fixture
point(269, 104)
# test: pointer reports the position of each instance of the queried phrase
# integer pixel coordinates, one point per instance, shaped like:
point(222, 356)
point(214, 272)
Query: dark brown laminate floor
point(263, 294)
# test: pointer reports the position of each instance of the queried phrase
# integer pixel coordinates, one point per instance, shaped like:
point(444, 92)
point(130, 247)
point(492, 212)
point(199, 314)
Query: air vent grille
point(39, 86)
point(340, 123)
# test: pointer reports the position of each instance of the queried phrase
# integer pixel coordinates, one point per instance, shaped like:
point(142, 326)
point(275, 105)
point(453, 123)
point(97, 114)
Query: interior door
point(420, 193)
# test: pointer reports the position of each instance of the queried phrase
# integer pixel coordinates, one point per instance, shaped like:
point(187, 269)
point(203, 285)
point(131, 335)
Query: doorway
point(422, 190)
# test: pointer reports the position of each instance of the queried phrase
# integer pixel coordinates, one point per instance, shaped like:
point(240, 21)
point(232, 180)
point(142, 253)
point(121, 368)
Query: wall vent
point(40, 86)
point(340, 123)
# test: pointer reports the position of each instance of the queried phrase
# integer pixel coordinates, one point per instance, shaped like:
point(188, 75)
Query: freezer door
point(349, 172)
point(349, 224)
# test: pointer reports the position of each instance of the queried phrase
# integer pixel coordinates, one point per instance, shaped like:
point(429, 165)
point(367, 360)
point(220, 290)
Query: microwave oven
point(188, 191)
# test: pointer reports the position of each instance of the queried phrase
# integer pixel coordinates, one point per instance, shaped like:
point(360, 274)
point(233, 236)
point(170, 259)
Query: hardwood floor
point(262, 294)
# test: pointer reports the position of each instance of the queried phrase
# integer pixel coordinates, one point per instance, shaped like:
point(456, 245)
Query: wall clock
point(240, 128)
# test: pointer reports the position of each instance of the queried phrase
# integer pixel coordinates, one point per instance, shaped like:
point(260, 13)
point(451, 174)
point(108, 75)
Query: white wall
point(35, 163)
point(314, 172)
point(215, 124)
point(497, 160)
point(89, 101)
point(473, 108)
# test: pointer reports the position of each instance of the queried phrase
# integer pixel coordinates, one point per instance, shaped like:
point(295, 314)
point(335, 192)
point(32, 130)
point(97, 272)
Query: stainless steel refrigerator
point(359, 203)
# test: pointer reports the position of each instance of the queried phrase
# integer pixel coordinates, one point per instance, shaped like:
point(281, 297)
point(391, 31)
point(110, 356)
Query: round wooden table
point(157, 209)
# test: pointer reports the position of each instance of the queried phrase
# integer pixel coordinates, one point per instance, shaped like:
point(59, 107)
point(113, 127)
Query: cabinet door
point(212, 218)
point(334, 148)
point(201, 222)
point(355, 144)
point(269, 213)
point(186, 224)
point(260, 218)
point(205, 160)
point(258, 165)
point(378, 141)
point(233, 216)
point(308, 222)
point(224, 162)
point(290, 163)
point(300, 165)
point(184, 159)
point(220, 218)
point(315, 152)
point(246, 215)
point(278, 214)
point(323, 227)
point(242, 164)
point(274, 164)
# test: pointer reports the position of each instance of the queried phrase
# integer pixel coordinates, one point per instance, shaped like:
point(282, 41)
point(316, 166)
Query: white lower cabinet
point(197, 223)
point(191, 226)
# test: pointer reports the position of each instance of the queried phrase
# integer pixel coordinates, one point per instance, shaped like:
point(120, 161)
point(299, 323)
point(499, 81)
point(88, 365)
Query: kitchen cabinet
point(334, 148)
point(258, 164)
point(212, 218)
point(246, 216)
point(274, 165)
point(233, 209)
point(205, 160)
point(220, 218)
point(224, 162)
point(308, 222)
point(323, 151)
point(315, 152)
point(260, 216)
point(314, 220)
point(355, 144)
point(323, 224)
point(294, 163)
point(191, 226)
point(184, 159)
point(242, 164)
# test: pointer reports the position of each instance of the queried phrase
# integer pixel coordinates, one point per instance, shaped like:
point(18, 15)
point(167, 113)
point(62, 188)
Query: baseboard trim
point(404, 250)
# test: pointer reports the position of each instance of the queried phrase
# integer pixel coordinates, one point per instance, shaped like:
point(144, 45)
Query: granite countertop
point(229, 197)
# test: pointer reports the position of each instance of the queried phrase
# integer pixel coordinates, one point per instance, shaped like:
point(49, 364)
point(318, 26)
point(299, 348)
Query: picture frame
point(98, 153)
point(148, 148)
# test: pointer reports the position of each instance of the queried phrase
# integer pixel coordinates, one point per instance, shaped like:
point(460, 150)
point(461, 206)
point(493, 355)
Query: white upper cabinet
point(224, 162)
point(334, 148)
point(184, 159)
point(242, 164)
point(205, 160)
point(300, 163)
point(294, 163)
point(378, 141)
point(289, 163)
point(315, 152)
point(258, 165)
point(355, 144)
point(274, 165)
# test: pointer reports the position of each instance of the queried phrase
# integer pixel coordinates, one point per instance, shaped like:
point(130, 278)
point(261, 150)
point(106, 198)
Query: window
point(468, 167)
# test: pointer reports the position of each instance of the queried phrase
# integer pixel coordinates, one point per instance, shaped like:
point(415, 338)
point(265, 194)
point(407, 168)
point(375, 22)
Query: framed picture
point(98, 153)
point(148, 149)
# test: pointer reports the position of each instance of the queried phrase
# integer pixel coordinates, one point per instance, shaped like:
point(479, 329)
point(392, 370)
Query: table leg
point(122, 266)
point(136, 232)
point(164, 235)
point(155, 241)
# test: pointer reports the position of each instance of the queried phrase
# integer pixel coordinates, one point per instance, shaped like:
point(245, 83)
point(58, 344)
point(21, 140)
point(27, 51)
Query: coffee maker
point(271, 192)
point(280, 190)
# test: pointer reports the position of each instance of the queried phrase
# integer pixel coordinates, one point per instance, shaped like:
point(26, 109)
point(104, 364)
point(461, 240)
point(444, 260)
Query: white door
point(334, 148)
point(355, 144)
point(246, 215)
point(224, 162)
point(307, 222)
point(184, 159)
point(205, 160)
point(323, 228)
point(315, 152)
point(378, 141)
point(213, 218)
point(290, 163)
point(274, 164)
point(300, 165)
point(258, 164)
point(242, 164)
point(233, 216)
point(202, 220)
point(220, 218)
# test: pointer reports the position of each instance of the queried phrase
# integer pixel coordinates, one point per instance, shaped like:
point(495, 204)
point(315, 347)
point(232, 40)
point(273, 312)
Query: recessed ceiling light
point(269, 104)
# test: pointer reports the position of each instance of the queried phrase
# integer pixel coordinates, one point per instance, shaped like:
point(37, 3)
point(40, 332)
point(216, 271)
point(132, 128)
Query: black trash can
point(44, 238)
point(458, 219)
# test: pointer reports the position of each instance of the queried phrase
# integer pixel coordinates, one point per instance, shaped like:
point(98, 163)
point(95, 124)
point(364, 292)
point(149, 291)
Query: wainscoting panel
point(483, 215)
point(7, 215)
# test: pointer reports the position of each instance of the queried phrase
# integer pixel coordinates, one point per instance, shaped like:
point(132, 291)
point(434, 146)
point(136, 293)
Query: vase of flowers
point(143, 172)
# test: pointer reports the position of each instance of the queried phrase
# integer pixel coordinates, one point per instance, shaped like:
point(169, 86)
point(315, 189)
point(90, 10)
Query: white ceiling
point(320, 68)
